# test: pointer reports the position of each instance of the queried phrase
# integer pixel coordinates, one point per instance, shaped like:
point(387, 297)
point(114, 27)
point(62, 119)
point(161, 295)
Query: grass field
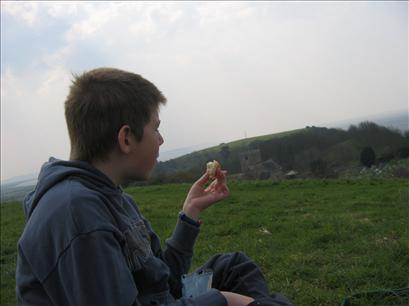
point(317, 241)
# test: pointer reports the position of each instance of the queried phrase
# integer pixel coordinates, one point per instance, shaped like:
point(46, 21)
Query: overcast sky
point(228, 69)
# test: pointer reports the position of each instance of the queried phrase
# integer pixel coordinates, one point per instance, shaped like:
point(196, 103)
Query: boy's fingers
point(221, 179)
point(202, 180)
point(220, 172)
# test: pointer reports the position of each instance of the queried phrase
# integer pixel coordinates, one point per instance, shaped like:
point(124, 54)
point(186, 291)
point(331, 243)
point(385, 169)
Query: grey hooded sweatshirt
point(86, 243)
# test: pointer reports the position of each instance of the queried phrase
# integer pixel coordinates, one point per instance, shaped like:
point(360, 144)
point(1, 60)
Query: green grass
point(317, 241)
point(12, 224)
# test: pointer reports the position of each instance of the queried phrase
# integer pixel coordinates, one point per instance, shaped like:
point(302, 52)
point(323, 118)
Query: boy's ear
point(124, 139)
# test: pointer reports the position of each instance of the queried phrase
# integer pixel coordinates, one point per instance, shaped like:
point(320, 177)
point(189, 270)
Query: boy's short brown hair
point(100, 102)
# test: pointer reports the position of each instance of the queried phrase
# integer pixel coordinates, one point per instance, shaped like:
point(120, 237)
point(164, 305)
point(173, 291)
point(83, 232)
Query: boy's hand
point(199, 198)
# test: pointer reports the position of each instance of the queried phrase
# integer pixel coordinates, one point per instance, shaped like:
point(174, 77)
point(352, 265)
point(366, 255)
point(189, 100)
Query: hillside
point(309, 152)
point(315, 152)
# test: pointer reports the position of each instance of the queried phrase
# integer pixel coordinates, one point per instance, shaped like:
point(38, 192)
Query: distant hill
point(396, 120)
point(170, 154)
point(334, 149)
point(17, 187)
point(309, 151)
point(21, 179)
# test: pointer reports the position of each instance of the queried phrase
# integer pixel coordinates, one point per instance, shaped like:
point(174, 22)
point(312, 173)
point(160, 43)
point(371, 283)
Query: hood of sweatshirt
point(55, 170)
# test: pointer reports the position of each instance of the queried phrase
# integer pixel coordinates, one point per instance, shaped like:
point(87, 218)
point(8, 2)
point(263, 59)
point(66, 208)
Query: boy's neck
point(108, 169)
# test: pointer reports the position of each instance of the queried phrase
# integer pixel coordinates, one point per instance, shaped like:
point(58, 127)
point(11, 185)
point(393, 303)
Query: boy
point(85, 241)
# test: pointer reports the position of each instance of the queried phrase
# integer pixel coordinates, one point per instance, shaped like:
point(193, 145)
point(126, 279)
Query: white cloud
point(32, 119)
point(54, 82)
point(225, 12)
point(226, 67)
point(25, 11)
point(93, 21)
point(62, 9)
point(9, 84)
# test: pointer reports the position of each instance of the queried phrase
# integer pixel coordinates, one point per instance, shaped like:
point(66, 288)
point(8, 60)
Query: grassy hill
point(317, 241)
point(334, 150)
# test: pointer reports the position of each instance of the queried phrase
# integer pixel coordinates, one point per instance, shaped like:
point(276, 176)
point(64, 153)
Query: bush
point(401, 172)
point(319, 168)
point(386, 158)
point(403, 152)
point(368, 157)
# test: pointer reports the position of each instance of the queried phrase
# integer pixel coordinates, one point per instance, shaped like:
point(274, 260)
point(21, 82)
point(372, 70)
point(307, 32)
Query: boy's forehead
point(155, 117)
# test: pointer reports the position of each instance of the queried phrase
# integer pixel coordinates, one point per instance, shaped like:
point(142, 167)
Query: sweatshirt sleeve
point(178, 253)
point(183, 237)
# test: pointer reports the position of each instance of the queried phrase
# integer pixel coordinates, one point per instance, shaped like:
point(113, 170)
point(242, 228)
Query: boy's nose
point(161, 141)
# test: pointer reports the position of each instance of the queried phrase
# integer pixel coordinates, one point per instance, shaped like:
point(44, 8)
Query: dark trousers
point(237, 273)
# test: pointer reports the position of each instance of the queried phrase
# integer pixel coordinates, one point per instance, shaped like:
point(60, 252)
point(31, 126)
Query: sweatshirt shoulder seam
point(68, 246)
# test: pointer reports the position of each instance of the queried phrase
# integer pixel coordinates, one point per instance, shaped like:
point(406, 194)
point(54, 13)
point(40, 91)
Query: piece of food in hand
point(212, 167)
